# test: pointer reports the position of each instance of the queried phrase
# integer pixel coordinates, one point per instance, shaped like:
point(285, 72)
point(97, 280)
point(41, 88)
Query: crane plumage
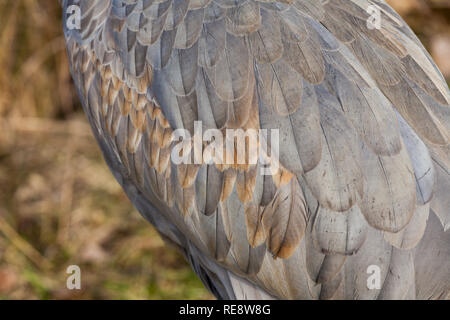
point(364, 122)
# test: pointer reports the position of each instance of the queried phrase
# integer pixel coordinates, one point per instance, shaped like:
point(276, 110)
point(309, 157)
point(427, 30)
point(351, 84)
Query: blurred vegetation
point(59, 205)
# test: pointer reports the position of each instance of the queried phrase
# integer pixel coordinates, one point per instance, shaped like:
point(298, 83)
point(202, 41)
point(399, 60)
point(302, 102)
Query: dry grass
point(59, 205)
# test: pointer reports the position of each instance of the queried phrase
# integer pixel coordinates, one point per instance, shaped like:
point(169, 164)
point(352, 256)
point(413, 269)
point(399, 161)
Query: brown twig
point(23, 246)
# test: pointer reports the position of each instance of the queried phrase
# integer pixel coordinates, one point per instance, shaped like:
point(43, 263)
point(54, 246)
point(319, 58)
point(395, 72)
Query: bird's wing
point(357, 107)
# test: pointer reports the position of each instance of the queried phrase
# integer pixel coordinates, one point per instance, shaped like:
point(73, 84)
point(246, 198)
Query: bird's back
point(357, 205)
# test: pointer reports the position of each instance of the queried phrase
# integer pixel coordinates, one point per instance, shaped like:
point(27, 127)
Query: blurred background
point(59, 204)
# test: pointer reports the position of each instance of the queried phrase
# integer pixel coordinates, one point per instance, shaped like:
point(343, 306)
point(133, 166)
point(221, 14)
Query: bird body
point(358, 205)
